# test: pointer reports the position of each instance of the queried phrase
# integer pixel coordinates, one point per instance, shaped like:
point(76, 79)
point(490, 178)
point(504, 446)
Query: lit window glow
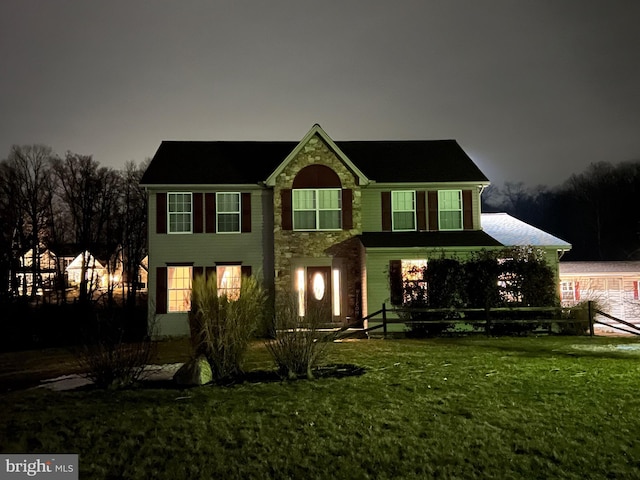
point(179, 289)
point(335, 281)
point(318, 286)
point(300, 289)
point(229, 279)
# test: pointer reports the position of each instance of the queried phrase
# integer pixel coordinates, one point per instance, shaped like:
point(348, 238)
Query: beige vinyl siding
point(253, 248)
point(372, 203)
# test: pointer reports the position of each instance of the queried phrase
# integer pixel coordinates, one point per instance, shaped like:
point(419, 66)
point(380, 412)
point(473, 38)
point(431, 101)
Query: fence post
point(487, 326)
point(384, 319)
point(590, 313)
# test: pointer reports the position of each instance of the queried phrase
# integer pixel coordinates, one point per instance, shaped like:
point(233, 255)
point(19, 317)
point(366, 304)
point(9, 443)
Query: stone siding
point(290, 245)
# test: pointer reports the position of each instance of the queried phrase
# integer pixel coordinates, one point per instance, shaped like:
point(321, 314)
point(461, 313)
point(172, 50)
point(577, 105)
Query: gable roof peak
point(316, 129)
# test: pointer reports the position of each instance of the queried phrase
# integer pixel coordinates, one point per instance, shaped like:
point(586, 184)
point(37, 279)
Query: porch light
point(335, 285)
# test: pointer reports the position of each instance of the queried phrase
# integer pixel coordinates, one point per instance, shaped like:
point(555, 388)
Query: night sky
point(532, 90)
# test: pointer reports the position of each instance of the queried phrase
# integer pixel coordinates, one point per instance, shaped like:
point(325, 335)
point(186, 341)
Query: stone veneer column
point(289, 244)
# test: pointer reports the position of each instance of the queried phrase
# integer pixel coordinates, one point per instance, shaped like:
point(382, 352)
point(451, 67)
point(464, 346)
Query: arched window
point(317, 201)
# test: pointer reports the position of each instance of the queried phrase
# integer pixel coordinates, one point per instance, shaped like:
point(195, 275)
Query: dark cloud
point(533, 90)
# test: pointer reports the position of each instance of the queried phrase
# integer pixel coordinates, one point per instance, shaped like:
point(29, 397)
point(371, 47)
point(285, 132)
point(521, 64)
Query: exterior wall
point(205, 249)
point(615, 294)
point(305, 248)
point(377, 269)
point(372, 203)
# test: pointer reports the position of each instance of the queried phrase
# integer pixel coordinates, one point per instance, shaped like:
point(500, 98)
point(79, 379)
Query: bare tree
point(134, 233)
point(28, 170)
point(90, 193)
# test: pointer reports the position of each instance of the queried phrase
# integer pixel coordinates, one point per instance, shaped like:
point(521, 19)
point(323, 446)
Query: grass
point(548, 407)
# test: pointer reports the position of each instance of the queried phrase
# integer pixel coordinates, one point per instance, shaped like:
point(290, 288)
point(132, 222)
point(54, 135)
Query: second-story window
point(450, 209)
point(228, 212)
point(317, 209)
point(403, 207)
point(179, 210)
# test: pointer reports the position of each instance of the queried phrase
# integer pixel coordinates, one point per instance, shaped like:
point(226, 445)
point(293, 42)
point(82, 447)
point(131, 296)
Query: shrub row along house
point(319, 219)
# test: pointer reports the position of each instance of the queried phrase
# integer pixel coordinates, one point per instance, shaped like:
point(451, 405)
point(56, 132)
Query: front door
point(319, 292)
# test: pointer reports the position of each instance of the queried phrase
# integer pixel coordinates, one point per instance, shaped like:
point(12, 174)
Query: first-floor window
point(229, 278)
point(450, 209)
point(179, 289)
point(414, 285)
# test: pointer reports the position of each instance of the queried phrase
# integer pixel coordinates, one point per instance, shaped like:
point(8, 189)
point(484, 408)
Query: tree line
point(49, 201)
point(594, 210)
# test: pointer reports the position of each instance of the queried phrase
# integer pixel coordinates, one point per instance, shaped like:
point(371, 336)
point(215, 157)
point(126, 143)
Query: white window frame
point(397, 210)
point(441, 210)
point(567, 287)
point(175, 305)
point(316, 208)
point(238, 212)
point(182, 212)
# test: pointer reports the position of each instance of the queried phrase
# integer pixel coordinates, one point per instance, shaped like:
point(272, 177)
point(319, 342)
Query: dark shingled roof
point(464, 238)
point(186, 162)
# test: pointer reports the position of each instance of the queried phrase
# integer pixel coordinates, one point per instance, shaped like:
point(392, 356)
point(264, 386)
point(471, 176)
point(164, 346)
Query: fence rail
point(553, 315)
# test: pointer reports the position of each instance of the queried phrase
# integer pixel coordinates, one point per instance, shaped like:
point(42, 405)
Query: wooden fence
point(482, 318)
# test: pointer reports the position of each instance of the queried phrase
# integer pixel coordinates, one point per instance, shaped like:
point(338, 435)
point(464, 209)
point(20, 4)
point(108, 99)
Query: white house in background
point(613, 285)
point(95, 272)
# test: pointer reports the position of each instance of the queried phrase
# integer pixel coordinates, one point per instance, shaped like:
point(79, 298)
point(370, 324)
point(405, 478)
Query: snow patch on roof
point(512, 232)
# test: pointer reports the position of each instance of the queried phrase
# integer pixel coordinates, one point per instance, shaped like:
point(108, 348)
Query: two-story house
point(328, 222)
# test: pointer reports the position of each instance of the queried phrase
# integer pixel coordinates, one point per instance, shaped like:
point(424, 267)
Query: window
point(403, 207)
point(229, 278)
point(414, 286)
point(567, 291)
point(179, 289)
point(450, 209)
point(228, 212)
point(179, 209)
point(317, 209)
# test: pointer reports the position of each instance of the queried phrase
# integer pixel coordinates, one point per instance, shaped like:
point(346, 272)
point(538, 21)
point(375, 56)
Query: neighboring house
point(612, 285)
point(45, 276)
point(95, 272)
point(322, 220)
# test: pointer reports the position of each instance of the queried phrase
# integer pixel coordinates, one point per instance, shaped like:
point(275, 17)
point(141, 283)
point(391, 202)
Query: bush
point(221, 328)
point(298, 346)
point(110, 356)
point(576, 320)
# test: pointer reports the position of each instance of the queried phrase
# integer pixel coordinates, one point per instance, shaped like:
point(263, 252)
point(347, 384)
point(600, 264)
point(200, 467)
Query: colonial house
point(613, 286)
point(319, 219)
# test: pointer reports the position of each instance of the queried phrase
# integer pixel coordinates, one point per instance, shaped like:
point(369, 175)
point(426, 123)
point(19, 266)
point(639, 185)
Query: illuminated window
point(229, 279)
point(179, 289)
point(300, 283)
point(403, 206)
point(228, 212)
point(179, 212)
point(450, 209)
point(335, 288)
point(317, 209)
point(414, 286)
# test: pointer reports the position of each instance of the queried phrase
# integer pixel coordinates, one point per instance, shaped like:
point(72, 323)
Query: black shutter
point(395, 281)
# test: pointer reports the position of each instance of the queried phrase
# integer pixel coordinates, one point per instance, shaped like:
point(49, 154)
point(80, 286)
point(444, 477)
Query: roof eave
point(317, 129)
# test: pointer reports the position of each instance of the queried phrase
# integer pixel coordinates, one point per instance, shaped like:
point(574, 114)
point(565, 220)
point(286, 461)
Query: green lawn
point(548, 407)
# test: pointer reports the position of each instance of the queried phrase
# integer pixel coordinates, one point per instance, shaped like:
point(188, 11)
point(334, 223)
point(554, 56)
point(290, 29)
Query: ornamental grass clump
point(222, 327)
point(299, 345)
